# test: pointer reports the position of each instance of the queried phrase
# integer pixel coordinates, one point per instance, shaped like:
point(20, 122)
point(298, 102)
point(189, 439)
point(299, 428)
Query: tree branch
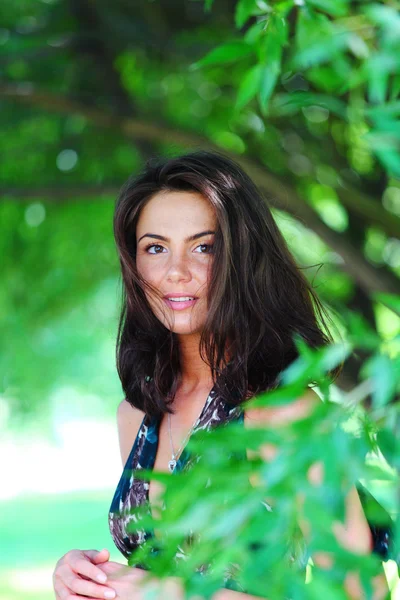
point(368, 209)
point(280, 195)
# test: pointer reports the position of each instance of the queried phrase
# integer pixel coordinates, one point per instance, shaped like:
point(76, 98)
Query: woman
point(212, 297)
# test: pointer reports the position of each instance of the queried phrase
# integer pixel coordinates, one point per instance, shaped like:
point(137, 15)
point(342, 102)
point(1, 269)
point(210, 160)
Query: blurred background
point(89, 91)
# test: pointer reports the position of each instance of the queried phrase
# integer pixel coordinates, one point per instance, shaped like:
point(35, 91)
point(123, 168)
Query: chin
point(182, 328)
point(185, 331)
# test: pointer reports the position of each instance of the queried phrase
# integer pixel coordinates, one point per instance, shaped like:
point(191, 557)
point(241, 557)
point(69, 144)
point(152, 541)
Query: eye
point(208, 247)
point(155, 246)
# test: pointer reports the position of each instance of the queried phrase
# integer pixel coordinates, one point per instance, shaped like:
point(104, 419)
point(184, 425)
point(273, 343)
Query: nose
point(178, 269)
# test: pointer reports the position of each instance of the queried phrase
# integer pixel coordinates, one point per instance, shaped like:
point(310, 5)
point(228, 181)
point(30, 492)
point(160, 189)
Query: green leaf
point(294, 102)
point(244, 10)
point(249, 87)
point(318, 40)
point(391, 109)
point(390, 300)
point(388, 444)
point(254, 32)
point(270, 53)
point(360, 332)
point(320, 587)
point(390, 159)
point(230, 52)
point(269, 78)
point(336, 8)
point(386, 16)
point(379, 66)
point(382, 369)
point(274, 39)
point(395, 89)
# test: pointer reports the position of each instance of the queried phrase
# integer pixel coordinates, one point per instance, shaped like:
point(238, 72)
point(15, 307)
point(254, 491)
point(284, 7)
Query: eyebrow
point(191, 238)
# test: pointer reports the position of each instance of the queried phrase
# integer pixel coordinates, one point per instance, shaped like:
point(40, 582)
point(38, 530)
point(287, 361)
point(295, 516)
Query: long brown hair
point(258, 298)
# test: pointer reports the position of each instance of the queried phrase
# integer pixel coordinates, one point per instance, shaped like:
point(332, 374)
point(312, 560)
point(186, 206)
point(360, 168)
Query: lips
point(178, 295)
point(180, 301)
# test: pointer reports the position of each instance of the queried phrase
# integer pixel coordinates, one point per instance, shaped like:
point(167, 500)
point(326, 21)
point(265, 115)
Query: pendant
point(171, 465)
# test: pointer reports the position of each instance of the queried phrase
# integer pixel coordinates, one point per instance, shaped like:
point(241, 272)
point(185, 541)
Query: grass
point(35, 531)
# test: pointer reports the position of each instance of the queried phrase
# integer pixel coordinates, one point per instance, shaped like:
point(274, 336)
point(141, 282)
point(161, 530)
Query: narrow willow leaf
point(360, 331)
point(388, 445)
point(269, 78)
point(322, 50)
point(288, 104)
point(249, 87)
point(387, 17)
point(358, 46)
point(322, 587)
point(244, 10)
point(309, 28)
point(390, 160)
point(318, 40)
point(229, 52)
point(382, 370)
point(274, 39)
point(395, 89)
point(377, 86)
point(336, 8)
point(270, 54)
point(380, 67)
point(390, 300)
point(254, 32)
point(391, 109)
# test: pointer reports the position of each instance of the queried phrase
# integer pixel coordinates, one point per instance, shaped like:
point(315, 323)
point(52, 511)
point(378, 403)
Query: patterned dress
point(133, 492)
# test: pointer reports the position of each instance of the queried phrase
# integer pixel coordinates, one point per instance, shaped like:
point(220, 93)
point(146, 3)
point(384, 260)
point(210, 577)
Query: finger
point(101, 556)
point(315, 473)
point(324, 560)
point(82, 566)
point(61, 590)
point(352, 585)
point(97, 556)
point(88, 588)
point(63, 593)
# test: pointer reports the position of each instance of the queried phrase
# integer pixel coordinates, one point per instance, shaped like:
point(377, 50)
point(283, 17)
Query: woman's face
point(175, 236)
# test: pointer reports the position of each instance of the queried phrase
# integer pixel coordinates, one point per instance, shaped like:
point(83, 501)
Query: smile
point(180, 303)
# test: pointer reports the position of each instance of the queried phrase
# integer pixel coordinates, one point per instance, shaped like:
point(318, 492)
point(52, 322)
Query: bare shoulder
point(283, 415)
point(279, 416)
point(129, 420)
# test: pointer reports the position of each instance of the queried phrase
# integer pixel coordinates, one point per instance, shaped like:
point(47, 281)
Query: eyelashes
point(209, 246)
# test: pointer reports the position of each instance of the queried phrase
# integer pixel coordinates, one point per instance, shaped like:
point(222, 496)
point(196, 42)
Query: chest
point(164, 454)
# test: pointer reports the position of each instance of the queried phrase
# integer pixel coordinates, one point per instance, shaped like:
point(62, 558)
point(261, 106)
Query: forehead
point(170, 211)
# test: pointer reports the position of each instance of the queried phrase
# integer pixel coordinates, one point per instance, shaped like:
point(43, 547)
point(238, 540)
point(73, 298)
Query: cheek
point(202, 271)
point(206, 275)
point(146, 270)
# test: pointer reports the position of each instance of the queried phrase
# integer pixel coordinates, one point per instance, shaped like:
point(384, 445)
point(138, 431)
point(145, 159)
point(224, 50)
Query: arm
point(129, 420)
point(355, 533)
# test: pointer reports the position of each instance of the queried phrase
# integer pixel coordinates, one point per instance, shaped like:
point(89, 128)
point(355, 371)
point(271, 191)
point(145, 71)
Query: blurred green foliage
point(305, 95)
point(270, 552)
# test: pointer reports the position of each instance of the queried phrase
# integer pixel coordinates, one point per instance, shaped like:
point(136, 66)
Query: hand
point(76, 572)
point(129, 585)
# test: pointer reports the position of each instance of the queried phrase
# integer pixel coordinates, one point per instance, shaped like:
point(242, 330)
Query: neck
point(195, 373)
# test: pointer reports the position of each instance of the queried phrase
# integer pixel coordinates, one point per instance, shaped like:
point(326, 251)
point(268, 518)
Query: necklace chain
point(175, 455)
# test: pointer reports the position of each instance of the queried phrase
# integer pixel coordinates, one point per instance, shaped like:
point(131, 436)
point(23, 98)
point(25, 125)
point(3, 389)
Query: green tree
point(303, 93)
